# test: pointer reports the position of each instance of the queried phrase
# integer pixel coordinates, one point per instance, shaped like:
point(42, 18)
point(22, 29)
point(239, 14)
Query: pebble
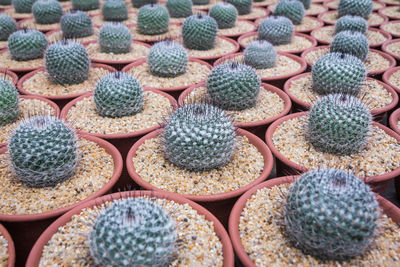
point(393, 28)
point(298, 43)
point(327, 33)
point(11, 12)
point(32, 24)
point(137, 51)
point(394, 79)
point(173, 32)
point(57, 36)
point(373, 19)
point(394, 48)
point(391, 11)
point(221, 48)
point(3, 251)
point(99, 21)
point(7, 62)
point(241, 27)
point(255, 13)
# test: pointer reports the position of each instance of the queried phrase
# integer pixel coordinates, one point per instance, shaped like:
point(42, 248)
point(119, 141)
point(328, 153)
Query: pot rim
point(6, 71)
point(385, 18)
point(386, 77)
point(10, 247)
point(394, 119)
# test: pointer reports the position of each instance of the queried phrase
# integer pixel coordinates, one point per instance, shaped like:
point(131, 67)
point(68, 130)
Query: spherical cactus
point(23, 6)
point(199, 137)
point(292, 9)
point(351, 23)
point(330, 214)
point(5, 2)
point(47, 11)
point(339, 124)
point(43, 151)
point(179, 8)
point(85, 5)
point(352, 43)
point(67, 62)
point(133, 232)
point(114, 10)
point(27, 44)
point(233, 86)
point(199, 32)
point(152, 19)
point(276, 30)
point(306, 3)
point(7, 26)
point(201, 2)
point(140, 3)
point(243, 6)
point(362, 8)
point(260, 54)
point(9, 108)
point(76, 24)
point(225, 15)
point(338, 73)
point(115, 37)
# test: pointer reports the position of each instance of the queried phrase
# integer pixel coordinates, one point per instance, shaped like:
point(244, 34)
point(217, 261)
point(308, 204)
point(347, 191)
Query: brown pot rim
point(256, 141)
point(385, 18)
point(386, 78)
point(380, 12)
point(232, 35)
point(130, 11)
point(390, 22)
point(312, 17)
point(300, 169)
point(394, 119)
point(317, 4)
point(13, 69)
point(237, 47)
point(84, 43)
point(44, 30)
point(388, 42)
point(10, 247)
point(9, 73)
point(36, 252)
point(16, 16)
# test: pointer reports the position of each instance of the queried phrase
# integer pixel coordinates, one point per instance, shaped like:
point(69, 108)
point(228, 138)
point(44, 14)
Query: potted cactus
point(391, 27)
point(334, 4)
point(7, 27)
point(20, 9)
point(7, 249)
point(114, 10)
point(46, 16)
point(5, 3)
point(92, 7)
point(247, 11)
point(179, 9)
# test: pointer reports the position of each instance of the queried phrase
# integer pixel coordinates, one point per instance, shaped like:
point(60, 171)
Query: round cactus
point(276, 30)
point(133, 232)
point(85, 5)
point(201, 2)
point(199, 32)
point(260, 54)
point(140, 3)
point(67, 62)
point(76, 24)
point(362, 8)
point(9, 108)
point(114, 10)
point(27, 44)
point(351, 23)
point(7, 26)
point(292, 9)
point(225, 15)
point(152, 19)
point(115, 37)
point(330, 214)
point(233, 86)
point(338, 73)
point(47, 11)
point(179, 8)
point(43, 151)
point(199, 137)
point(306, 3)
point(23, 6)
point(353, 43)
point(243, 6)
point(5, 2)
point(339, 124)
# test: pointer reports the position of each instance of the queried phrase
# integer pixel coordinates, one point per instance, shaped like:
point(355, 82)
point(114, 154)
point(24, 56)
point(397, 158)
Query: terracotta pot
point(316, 12)
point(320, 16)
point(26, 228)
point(393, 122)
point(388, 208)
point(389, 42)
point(218, 204)
point(233, 35)
point(10, 248)
point(391, 17)
point(18, 16)
point(36, 253)
point(389, 2)
point(386, 78)
point(16, 69)
point(382, 27)
point(43, 27)
point(378, 183)
point(51, 40)
point(328, 4)
point(60, 100)
point(4, 72)
point(321, 23)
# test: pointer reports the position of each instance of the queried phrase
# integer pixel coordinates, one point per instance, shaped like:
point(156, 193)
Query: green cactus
point(85, 5)
point(338, 73)
point(27, 44)
point(115, 37)
point(362, 8)
point(201, 2)
point(306, 3)
point(140, 3)
point(67, 62)
point(351, 23)
point(276, 30)
point(47, 11)
point(7, 26)
point(243, 6)
point(339, 124)
point(133, 232)
point(167, 59)
point(199, 137)
point(23, 6)
point(352, 43)
point(9, 108)
point(43, 151)
point(179, 8)
point(233, 86)
point(292, 9)
point(76, 24)
point(260, 54)
point(114, 10)
point(5, 2)
point(330, 214)
point(118, 94)
point(152, 19)
point(225, 15)
point(199, 32)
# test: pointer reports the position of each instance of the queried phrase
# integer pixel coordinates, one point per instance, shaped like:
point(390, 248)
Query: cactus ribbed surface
point(7, 26)
point(27, 44)
point(352, 43)
point(5, 2)
point(225, 15)
point(292, 9)
point(47, 11)
point(260, 54)
point(76, 24)
point(362, 8)
point(199, 32)
point(152, 19)
point(9, 108)
point(114, 10)
point(179, 8)
point(351, 23)
point(115, 37)
point(201, 2)
point(243, 6)
point(140, 3)
point(85, 5)
point(306, 3)
point(23, 6)
point(276, 30)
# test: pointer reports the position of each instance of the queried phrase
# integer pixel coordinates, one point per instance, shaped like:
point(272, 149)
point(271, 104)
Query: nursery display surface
point(199, 133)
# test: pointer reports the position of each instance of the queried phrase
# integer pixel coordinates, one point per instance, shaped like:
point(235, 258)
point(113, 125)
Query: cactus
point(243, 6)
point(233, 86)
point(5, 2)
point(43, 151)
point(338, 73)
point(114, 10)
point(225, 15)
point(85, 5)
point(199, 32)
point(306, 3)
point(260, 54)
point(201, 2)
point(140, 3)
point(23, 6)
point(152, 19)
point(133, 232)
point(118, 94)
point(352, 43)
point(276, 30)
point(7, 26)
point(67, 62)
point(362, 8)
point(199, 137)
point(179, 8)
point(27, 44)
point(292, 9)
point(167, 59)
point(115, 37)
point(339, 124)
point(47, 11)
point(351, 23)
point(330, 214)
point(76, 24)
point(9, 108)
